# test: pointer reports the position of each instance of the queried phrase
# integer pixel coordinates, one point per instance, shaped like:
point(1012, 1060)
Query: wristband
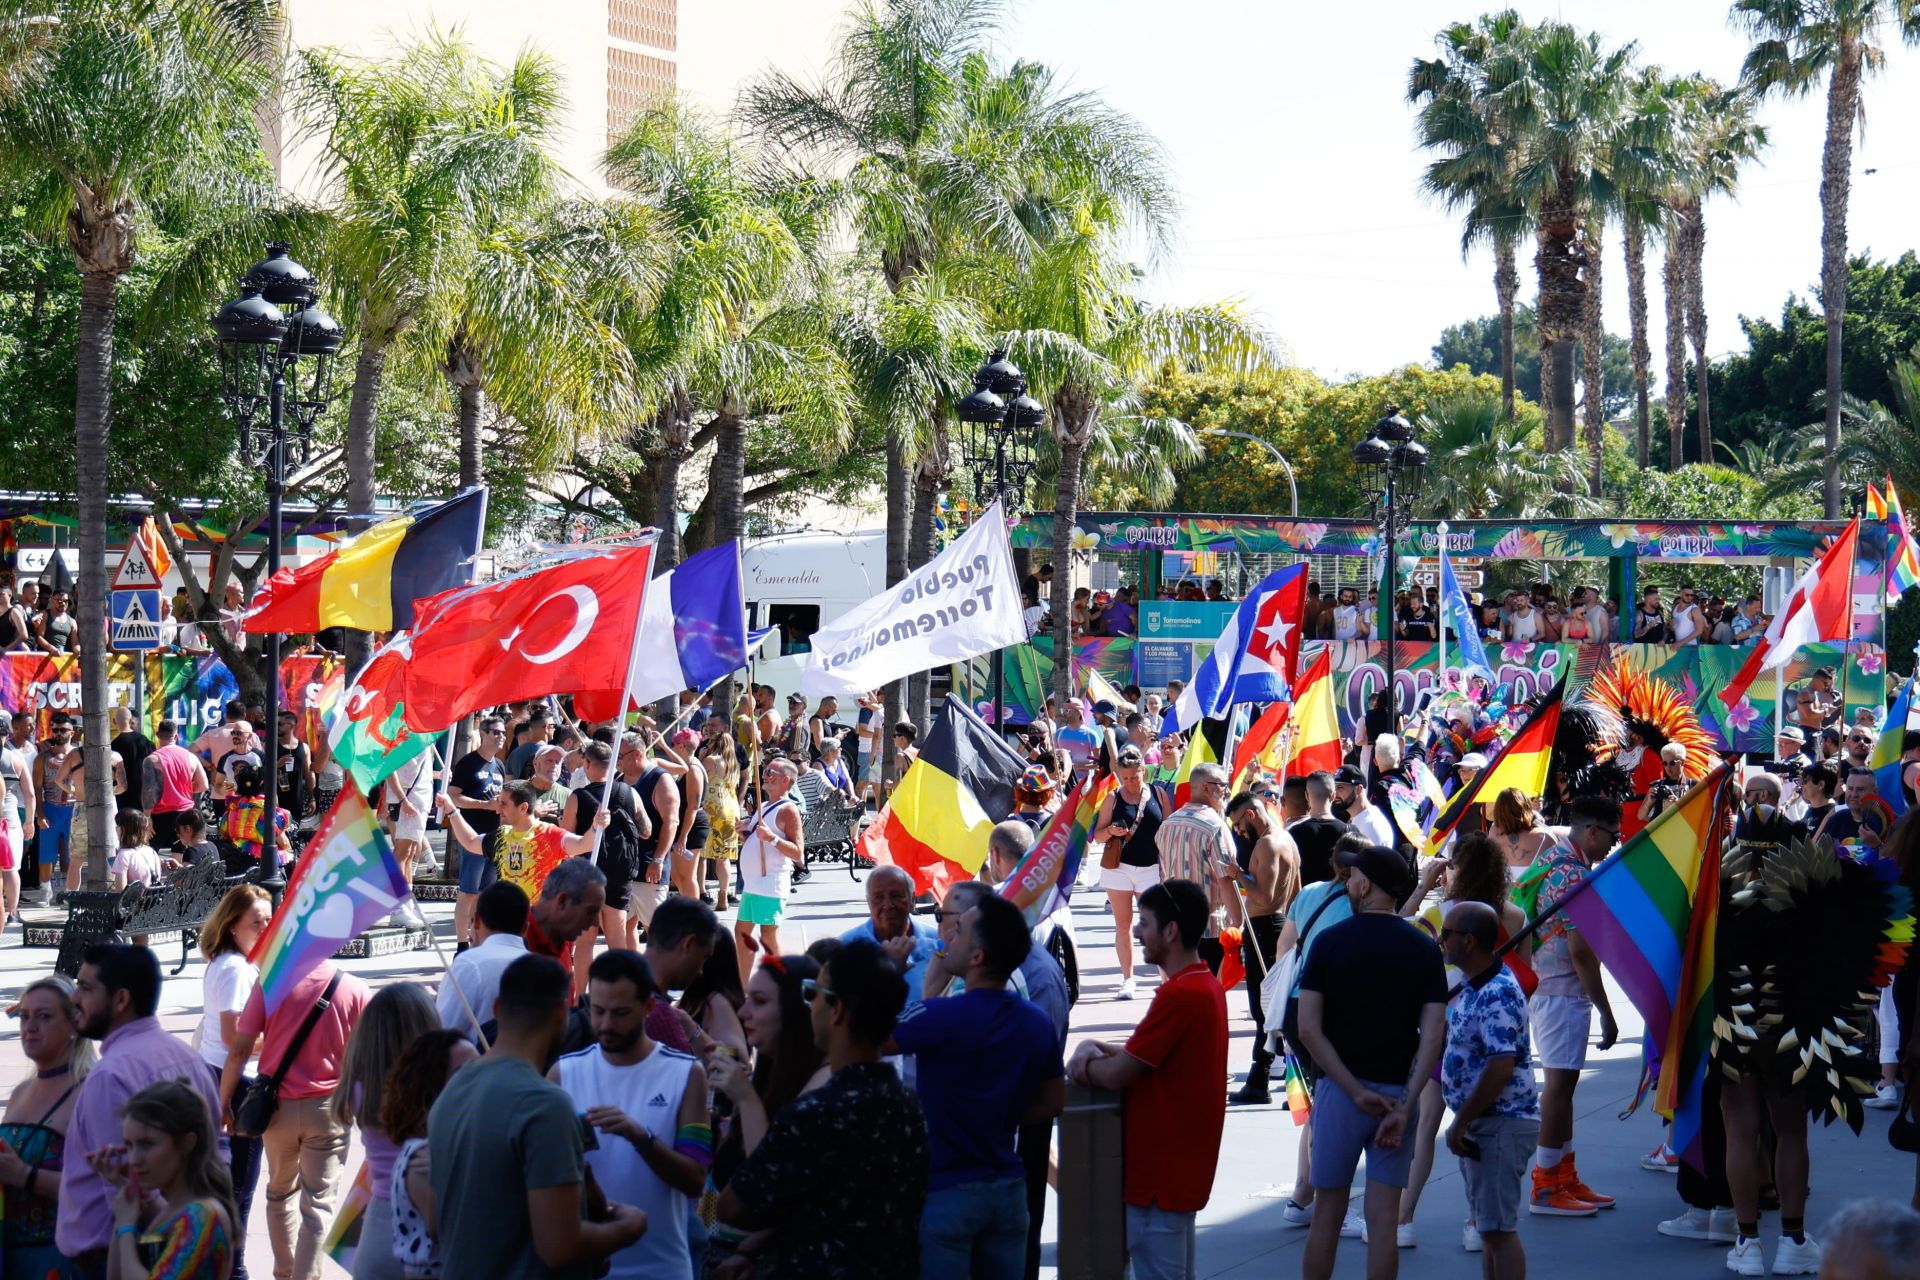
point(126, 1229)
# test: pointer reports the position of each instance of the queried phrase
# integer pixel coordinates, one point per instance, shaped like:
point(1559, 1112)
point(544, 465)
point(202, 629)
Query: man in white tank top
point(648, 1104)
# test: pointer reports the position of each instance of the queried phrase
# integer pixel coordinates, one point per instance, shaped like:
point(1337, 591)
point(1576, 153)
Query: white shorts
point(1561, 1026)
point(1128, 879)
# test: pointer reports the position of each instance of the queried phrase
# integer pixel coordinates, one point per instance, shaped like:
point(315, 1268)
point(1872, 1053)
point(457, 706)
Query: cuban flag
point(1257, 654)
point(1466, 628)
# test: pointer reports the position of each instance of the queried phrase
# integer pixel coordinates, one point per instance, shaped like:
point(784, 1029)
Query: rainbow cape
point(1650, 912)
point(344, 884)
point(1042, 882)
point(343, 1237)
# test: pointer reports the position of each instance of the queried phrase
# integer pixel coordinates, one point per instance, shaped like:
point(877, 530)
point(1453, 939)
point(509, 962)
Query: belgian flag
point(1206, 744)
point(935, 825)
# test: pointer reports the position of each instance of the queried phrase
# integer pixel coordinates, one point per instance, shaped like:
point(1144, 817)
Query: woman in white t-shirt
point(134, 861)
point(226, 939)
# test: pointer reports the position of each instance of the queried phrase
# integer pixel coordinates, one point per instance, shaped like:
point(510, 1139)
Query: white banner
point(962, 603)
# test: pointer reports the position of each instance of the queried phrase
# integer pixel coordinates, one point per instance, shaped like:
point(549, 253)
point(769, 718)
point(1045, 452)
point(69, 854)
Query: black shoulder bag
point(255, 1109)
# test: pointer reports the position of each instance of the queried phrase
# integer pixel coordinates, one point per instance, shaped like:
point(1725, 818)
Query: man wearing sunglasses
point(839, 1182)
point(1571, 990)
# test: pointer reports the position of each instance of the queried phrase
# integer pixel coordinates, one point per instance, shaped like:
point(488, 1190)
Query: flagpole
point(1441, 613)
point(447, 966)
point(620, 716)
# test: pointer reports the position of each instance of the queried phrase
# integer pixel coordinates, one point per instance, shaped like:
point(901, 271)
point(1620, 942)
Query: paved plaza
point(1242, 1235)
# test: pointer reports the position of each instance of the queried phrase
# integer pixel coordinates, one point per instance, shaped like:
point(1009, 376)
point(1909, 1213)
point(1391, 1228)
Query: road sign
point(137, 568)
point(136, 620)
point(1469, 578)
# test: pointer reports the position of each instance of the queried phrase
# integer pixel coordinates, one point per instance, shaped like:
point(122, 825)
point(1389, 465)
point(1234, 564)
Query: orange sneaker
point(1570, 1182)
point(1551, 1197)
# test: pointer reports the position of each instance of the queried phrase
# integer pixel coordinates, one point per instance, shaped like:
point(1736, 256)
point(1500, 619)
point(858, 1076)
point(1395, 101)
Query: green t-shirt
point(499, 1130)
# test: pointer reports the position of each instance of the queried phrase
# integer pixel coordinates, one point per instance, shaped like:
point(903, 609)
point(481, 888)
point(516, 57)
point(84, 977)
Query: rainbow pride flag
point(1299, 1097)
point(1876, 504)
point(1042, 882)
point(343, 1237)
point(1903, 555)
point(1885, 762)
point(344, 884)
point(1650, 912)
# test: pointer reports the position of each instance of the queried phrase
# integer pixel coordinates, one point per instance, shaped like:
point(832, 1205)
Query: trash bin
point(1092, 1222)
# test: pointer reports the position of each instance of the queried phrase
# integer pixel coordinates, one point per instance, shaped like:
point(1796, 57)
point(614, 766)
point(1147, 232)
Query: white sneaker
point(1126, 990)
point(1721, 1228)
point(1885, 1098)
point(1470, 1239)
point(1694, 1224)
point(1745, 1259)
point(1353, 1226)
point(1801, 1259)
point(1403, 1236)
point(1296, 1215)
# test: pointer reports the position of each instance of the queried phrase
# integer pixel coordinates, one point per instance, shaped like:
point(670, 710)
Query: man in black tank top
point(659, 798)
point(620, 852)
point(1129, 819)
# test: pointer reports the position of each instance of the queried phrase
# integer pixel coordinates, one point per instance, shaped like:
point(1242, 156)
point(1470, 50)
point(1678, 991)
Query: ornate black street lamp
point(265, 334)
point(1395, 463)
point(997, 423)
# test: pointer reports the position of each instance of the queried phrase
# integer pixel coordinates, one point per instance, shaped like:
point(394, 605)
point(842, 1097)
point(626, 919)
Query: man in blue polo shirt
point(987, 1061)
point(890, 923)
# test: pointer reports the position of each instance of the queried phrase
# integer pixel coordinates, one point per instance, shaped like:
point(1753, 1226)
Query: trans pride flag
point(344, 884)
point(1650, 912)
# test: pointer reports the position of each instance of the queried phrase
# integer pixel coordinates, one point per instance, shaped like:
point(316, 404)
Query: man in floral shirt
point(1487, 1078)
point(1571, 991)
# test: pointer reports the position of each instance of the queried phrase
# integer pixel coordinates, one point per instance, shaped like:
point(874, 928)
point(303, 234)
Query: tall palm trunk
point(1673, 284)
point(92, 438)
point(1506, 287)
point(1563, 305)
point(1593, 346)
point(899, 518)
point(1843, 108)
point(1076, 411)
point(369, 371)
point(929, 478)
point(673, 445)
point(1694, 241)
point(463, 371)
point(726, 500)
point(1638, 347)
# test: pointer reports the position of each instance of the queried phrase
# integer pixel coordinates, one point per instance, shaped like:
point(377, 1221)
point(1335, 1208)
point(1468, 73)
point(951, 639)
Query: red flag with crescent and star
point(552, 630)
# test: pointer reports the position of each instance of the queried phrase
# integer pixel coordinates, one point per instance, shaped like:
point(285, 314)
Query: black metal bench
point(181, 902)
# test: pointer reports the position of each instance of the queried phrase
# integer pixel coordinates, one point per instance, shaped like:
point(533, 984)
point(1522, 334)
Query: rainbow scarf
point(1042, 882)
point(344, 884)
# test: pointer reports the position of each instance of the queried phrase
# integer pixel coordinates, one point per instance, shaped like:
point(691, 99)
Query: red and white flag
point(1820, 611)
point(553, 630)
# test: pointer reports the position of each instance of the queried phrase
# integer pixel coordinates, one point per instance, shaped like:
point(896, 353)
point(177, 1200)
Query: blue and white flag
point(1258, 652)
point(1459, 614)
point(693, 628)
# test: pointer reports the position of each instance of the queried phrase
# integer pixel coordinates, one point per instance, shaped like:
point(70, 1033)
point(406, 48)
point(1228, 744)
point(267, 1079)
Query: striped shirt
point(1196, 845)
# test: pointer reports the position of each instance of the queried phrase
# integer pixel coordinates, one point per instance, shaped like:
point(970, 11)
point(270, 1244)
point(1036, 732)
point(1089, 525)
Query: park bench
point(832, 823)
point(180, 903)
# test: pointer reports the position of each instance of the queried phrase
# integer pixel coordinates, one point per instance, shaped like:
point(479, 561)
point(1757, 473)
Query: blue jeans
point(1159, 1243)
point(243, 1160)
point(976, 1229)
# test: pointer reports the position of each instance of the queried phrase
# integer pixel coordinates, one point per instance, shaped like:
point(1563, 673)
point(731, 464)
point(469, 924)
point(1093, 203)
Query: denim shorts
point(1493, 1181)
point(473, 871)
point(1342, 1133)
point(1159, 1243)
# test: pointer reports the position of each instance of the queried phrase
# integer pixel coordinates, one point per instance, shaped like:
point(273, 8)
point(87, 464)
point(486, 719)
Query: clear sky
point(1293, 147)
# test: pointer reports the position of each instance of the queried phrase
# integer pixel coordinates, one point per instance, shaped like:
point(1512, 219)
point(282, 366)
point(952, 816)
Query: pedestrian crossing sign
point(136, 620)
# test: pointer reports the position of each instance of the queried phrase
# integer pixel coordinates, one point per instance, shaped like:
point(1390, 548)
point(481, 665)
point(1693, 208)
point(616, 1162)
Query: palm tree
point(1673, 285)
point(1569, 100)
point(132, 104)
point(425, 153)
point(1880, 440)
point(1717, 135)
point(1489, 466)
point(1474, 173)
point(1593, 337)
point(1794, 43)
point(1641, 212)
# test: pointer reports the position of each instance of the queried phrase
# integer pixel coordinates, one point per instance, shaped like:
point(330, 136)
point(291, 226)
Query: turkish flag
point(553, 630)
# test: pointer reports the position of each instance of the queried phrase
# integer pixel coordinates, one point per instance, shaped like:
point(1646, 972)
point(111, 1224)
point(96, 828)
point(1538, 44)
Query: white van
point(798, 582)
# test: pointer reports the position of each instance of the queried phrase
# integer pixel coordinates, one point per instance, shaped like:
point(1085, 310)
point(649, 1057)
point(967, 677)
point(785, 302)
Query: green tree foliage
point(1313, 422)
point(1475, 343)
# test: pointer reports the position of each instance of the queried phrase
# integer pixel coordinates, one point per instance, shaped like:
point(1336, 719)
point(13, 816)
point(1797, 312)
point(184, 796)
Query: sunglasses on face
point(810, 987)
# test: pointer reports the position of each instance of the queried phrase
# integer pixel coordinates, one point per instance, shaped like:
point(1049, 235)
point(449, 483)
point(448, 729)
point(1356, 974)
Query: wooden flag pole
point(446, 966)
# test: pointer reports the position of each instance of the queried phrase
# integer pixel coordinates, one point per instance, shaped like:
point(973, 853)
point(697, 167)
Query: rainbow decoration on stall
point(345, 883)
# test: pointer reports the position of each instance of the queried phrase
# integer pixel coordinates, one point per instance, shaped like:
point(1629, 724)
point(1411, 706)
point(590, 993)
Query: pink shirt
point(177, 769)
point(316, 1070)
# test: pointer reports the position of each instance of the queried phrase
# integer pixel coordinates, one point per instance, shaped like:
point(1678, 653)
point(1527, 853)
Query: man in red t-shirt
point(1173, 1070)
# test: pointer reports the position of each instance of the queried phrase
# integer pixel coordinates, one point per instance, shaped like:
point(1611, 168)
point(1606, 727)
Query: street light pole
point(1001, 412)
point(1390, 452)
point(1293, 490)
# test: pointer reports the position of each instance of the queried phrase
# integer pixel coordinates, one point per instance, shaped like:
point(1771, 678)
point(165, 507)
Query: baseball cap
point(1381, 865)
point(1103, 708)
point(1793, 732)
point(1350, 775)
point(1473, 760)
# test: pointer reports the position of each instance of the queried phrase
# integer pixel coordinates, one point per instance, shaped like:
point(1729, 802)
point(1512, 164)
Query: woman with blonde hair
point(174, 1218)
point(33, 1134)
point(226, 940)
point(1516, 830)
point(723, 815)
point(396, 1017)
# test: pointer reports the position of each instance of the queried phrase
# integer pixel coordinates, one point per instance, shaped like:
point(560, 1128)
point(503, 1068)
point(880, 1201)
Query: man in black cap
point(1362, 815)
point(1373, 1000)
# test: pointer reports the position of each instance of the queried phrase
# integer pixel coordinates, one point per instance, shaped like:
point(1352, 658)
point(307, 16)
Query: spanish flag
point(372, 581)
point(935, 825)
point(1262, 744)
point(1316, 732)
point(1524, 763)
